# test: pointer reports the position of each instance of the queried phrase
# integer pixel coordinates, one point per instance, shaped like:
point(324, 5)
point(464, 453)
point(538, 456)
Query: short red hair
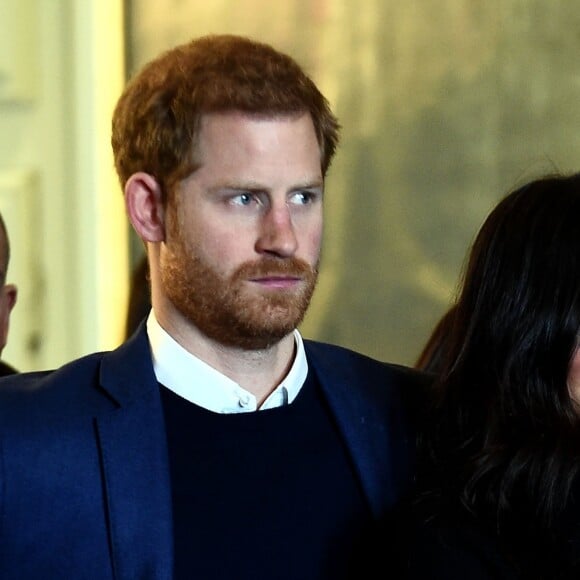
point(157, 118)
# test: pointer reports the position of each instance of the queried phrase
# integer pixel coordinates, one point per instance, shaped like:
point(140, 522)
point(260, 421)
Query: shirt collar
point(196, 381)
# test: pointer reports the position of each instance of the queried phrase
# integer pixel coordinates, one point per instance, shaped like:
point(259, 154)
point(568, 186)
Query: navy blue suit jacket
point(84, 475)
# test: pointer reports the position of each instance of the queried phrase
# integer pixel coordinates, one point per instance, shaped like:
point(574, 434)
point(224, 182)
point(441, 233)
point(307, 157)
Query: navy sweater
point(268, 495)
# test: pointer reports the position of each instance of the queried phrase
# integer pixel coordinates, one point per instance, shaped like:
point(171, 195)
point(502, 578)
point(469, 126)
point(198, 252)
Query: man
point(8, 296)
point(139, 303)
point(216, 443)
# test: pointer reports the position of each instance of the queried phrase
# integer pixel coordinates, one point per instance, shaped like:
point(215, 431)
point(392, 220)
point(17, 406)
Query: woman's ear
point(144, 204)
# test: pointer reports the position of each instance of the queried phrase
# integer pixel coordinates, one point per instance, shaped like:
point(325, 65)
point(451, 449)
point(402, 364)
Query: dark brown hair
point(503, 440)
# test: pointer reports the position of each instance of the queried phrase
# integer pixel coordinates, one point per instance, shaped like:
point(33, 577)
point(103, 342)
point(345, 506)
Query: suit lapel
point(371, 420)
point(135, 466)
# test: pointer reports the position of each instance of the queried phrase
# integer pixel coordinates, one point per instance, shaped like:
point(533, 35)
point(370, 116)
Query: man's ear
point(8, 296)
point(144, 203)
point(11, 295)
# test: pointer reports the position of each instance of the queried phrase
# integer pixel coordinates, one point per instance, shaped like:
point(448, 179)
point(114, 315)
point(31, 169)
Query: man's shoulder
point(6, 369)
point(38, 379)
point(85, 371)
point(379, 379)
point(348, 358)
point(41, 399)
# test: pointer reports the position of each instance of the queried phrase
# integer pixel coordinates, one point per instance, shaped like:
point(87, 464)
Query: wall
point(61, 68)
point(445, 106)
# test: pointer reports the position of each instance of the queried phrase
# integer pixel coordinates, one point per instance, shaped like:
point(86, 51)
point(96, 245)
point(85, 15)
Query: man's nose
point(277, 233)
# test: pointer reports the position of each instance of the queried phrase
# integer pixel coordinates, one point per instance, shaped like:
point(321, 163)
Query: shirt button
point(243, 401)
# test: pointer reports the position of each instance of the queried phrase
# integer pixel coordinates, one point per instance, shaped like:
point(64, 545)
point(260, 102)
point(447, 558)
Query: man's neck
point(258, 371)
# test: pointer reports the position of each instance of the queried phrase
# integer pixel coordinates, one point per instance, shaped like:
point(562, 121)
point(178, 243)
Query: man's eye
point(303, 197)
point(243, 199)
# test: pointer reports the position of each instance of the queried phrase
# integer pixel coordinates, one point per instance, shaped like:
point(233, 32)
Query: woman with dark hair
point(433, 353)
point(499, 477)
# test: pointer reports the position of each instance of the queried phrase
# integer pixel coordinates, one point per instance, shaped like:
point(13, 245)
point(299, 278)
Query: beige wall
point(61, 69)
point(445, 106)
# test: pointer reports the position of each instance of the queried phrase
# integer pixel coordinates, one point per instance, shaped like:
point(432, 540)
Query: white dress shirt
point(196, 381)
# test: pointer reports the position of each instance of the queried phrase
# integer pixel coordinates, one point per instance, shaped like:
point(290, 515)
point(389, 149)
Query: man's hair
point(4, 251)
point(157, 119)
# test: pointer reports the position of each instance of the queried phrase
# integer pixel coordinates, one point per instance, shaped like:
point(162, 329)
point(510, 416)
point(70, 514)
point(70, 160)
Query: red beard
point(231, 310)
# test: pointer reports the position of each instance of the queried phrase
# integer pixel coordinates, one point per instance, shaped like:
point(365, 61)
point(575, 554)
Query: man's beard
point(231, 310)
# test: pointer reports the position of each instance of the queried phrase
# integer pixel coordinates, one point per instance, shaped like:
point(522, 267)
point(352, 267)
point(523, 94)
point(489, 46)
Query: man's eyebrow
point(316, 184)
point(256, 186)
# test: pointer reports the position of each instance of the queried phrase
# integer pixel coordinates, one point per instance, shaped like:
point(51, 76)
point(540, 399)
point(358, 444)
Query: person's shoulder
point(343, 356)
point(6, 369)
point(44, 391)
point(365, 374)
point(15, 386)
point(27, 378)
point(340, 356)
point(453, 546)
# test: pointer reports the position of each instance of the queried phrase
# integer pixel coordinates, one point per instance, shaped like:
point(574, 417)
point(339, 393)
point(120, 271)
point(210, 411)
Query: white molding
point(18, 50)
point(102, 224)
point(19, 204)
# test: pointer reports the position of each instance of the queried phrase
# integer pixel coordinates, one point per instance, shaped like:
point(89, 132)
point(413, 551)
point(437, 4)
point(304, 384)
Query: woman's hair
point(433, 354)
point(503, 438)
point(157, 119)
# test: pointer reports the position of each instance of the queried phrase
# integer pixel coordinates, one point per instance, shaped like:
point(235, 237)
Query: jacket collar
point(136, 472)
point(372, 418)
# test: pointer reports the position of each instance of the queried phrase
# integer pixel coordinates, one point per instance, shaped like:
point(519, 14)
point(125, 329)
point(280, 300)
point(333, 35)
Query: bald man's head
point(8, 292)
point(4, 251)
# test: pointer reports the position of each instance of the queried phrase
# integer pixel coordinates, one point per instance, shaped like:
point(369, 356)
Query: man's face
point(240, 259)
